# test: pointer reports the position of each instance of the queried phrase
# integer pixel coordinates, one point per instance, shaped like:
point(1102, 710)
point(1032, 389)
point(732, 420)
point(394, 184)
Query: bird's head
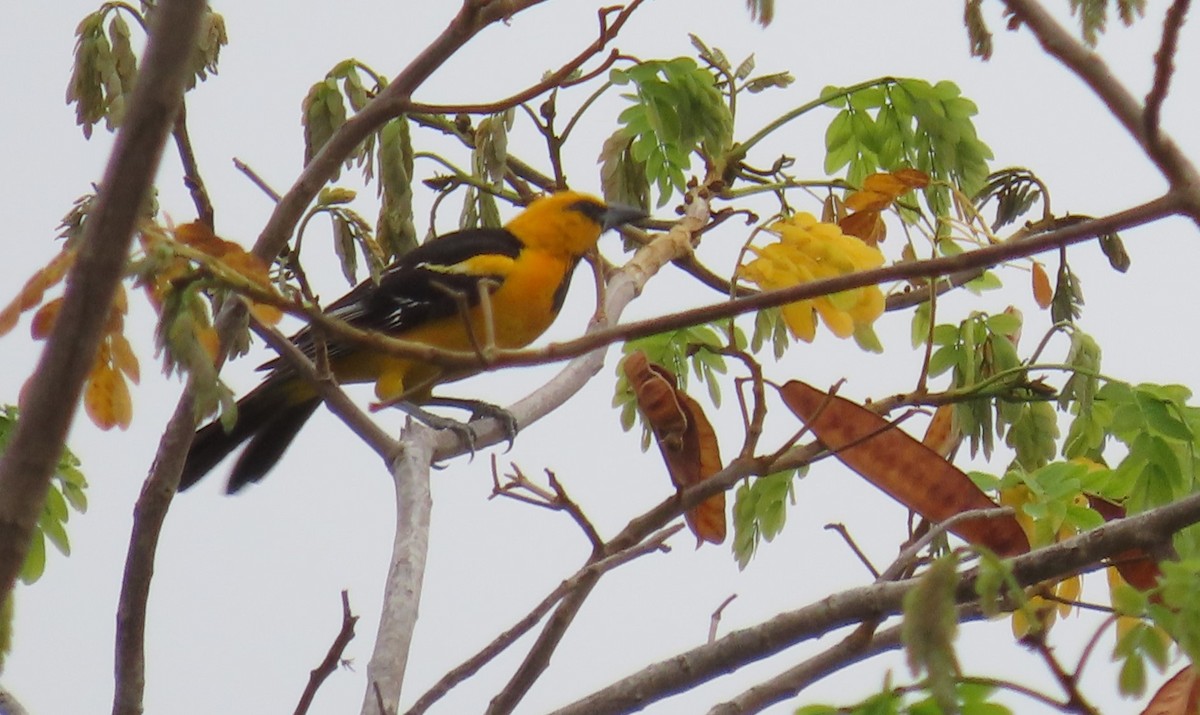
point(569, 222)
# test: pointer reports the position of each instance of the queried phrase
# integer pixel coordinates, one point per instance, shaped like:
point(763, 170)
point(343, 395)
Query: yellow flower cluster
point(809, 250)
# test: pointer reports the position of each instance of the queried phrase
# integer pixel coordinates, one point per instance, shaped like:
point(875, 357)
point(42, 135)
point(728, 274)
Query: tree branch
point(52, 395)
point(332, 657)
point(594, 569)
point(1180, 173)
point(1164, 65)
point(402, 590)
point(881, 600)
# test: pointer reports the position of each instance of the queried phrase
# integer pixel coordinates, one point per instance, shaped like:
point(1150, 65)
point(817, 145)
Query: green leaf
point(396, 231)
point(677, 110)
point(760, 512)
point(35, 560)
point(930, 627)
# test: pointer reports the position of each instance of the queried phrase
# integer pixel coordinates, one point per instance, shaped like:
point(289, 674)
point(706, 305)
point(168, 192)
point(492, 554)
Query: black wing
point(412, 291)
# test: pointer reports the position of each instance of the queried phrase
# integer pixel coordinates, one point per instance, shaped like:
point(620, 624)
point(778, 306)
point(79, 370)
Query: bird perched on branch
point(432, 296)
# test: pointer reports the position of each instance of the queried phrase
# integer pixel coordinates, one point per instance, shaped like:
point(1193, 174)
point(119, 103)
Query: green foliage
point(978, 349)
point(1033, 434)
point(324, 110)
point(351, 233)
point(675, 350)
point(760, 511)
point(996, 586)
point(184, 317)
point(105, 66)
point(209, 41)
point(675, 109)
point(395, 230)
point(769, 325)
point(1055, 502)
point(930, 627)
point(901, 123)
point(622, 179)
point(1093, 15)
point(977, 31)
point(1160, 431)
point(104, 70)
point(67, 493)
point(1015, 191)
point(1067, 304)
point(489, 160)
point(964, 698)
point(1114, 251)
point(762, 11)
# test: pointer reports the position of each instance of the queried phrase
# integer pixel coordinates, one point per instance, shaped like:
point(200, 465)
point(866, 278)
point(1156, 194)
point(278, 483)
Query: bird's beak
point(617, 215)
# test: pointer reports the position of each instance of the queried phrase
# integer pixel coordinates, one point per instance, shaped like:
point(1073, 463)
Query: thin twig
point(1164, 66)
point(715, 621)
point(255, 179)
point(1076, 703)
point(608, 32)
point(841, 530)
point(332, 658)
point(191, 169)
point(655, 542)
point(1175, 166)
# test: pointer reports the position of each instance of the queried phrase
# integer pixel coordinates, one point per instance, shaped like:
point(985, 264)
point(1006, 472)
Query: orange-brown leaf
point(210, 341)
point(905, 469)
point(706, 519)
point(106, 398)
point(1043, 293)
point(35, 289)
point(942, 435)
point(268, 314)
point(866, 225)
point(1135, 565)
point(123, 357)
point(685, 438)
point(1178, 696)
point(44, 319)
point(657, 398)
point(913, 178)
point(867, 200)
point(892, 185)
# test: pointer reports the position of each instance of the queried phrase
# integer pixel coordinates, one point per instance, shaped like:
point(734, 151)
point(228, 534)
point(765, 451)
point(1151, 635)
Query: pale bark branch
point(402, 590)
point(725, 655)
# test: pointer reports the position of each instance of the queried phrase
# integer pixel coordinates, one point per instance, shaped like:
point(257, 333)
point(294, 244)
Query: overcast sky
point(245, 597)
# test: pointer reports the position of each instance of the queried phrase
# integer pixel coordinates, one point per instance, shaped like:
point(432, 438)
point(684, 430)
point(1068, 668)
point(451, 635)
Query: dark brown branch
point(882, 600)
point(1164, 65)
point(392, 101)
point(52, 394)
point(555, 79)
point(332, 658)
point(149, 512)
point(1180, 173)
point(191, 169)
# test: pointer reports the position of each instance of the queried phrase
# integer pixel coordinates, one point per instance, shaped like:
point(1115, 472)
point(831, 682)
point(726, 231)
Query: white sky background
point(245, 597)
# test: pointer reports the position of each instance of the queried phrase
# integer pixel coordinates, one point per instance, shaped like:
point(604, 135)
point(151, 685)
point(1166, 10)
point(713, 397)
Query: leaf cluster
point(907, 123)
point(105, 65)
point(675, 109)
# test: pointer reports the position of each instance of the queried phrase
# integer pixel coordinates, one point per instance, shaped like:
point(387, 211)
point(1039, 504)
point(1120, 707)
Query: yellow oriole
point(526, 268)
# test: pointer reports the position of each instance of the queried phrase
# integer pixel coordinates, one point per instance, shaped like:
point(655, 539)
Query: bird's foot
point(480, 409)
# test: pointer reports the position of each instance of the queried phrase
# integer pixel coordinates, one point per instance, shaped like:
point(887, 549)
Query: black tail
point(267, 418)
